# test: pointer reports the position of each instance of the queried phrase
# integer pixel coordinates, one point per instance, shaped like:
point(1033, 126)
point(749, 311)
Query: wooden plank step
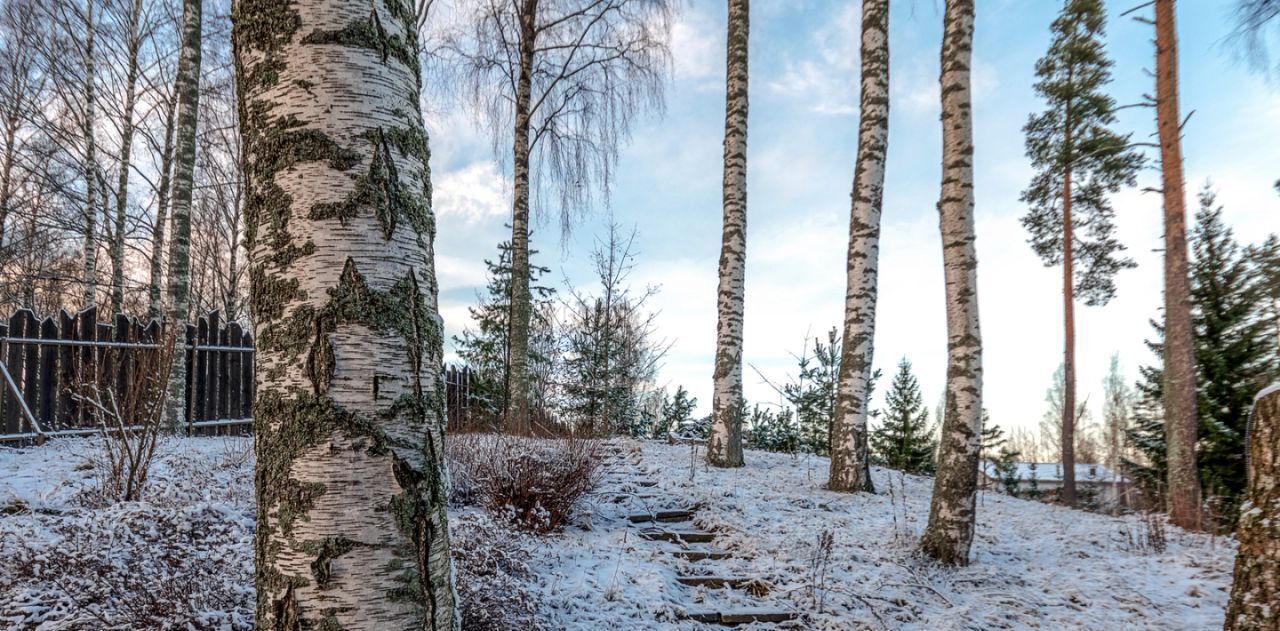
point(739, 616)
point(666, 516)
point(713, 582)
point(701, 554)
point(683, 536)
point(646, 483)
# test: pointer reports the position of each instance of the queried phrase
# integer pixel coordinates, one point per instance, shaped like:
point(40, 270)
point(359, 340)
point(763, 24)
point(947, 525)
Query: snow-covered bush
point(491, 567)
point(534, 483)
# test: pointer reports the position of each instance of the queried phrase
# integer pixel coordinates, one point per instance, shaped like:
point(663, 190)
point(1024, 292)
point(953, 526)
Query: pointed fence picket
point(41, 360)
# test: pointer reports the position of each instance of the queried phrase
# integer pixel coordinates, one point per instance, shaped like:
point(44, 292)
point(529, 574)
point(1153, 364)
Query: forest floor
point(183, 558)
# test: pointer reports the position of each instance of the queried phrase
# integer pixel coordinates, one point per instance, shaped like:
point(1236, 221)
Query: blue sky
point(804, 64)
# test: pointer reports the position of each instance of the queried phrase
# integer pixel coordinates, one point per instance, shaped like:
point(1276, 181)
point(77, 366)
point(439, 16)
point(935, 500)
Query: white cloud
point(476, 192)
point(696, 47)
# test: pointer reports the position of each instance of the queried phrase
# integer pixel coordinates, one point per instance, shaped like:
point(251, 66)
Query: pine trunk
point(724, 446)
point(187, 87)
point(949, 533)
point(126, 149)
point(1179, 337)
point(348, 417)
point(154, 293)
point(517, 411)
point(1069, 337)
point(90, 165)
point(850, 464)
point(1255, 589)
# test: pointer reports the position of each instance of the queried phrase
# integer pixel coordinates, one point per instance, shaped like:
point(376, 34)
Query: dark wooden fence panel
point(43, 360)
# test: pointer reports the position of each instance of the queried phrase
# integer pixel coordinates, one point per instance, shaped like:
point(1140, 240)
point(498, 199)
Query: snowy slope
point(183, 558)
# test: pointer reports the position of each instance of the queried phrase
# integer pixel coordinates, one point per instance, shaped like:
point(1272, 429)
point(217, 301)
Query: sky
point(801, 152)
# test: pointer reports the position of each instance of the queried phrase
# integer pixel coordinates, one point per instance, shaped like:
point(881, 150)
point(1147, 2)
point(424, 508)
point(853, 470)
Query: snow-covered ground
point(1034, 565)
point(183, 558)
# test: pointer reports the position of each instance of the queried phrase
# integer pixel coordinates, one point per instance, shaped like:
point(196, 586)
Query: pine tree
point(485, 348)
point(1254, 589)
point(812, 393)
point(902, 440)
point(1079, 162)
point(1267, 258)
point(1235, 357)
point(676, 412)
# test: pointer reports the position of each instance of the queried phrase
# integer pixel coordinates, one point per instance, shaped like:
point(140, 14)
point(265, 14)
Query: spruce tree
point(1079, 162)
point(902, 441)
point(485, 347)
point(1235, 358)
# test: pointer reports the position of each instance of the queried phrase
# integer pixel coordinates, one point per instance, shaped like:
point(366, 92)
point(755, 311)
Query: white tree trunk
point(90, 164)
point(348, 417)
point(155, 295)
point(850, 465)
point(1255, 589)
point(724, 446)
point(126, 149)
point(187, 87)
point(951, 515)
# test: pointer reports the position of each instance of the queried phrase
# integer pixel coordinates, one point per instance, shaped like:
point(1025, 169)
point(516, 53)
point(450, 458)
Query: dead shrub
point(123, 392)
point(1145, 533)
point(492, 575)
point(535, 484)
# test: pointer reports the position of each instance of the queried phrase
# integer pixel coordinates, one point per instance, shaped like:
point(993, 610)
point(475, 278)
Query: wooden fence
point(42, 361)
point(45, 360)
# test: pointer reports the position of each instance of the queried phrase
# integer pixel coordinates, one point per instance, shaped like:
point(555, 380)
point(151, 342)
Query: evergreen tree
point(812, 393)
point(902, 441)
point(1235, 358)
point(1079, 162)
point(676, 412)
point(772, 431)
point(485, 347)
point(1267, 258)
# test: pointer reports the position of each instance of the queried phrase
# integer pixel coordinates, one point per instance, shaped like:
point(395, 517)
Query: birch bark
point(949, 533)
point(850, 465)
point(1179, 336)
point(724, 445)
point(154, 294)
point(348, 417)
point(126, 149)
point(187, 87)
point(1255, 589)
point(90, 164)
point(517, 411)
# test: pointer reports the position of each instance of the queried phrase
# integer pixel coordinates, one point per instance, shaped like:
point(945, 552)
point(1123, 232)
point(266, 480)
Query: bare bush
point(535, 484)
point(123, 392)
point(492, 575)
point(1145, 533)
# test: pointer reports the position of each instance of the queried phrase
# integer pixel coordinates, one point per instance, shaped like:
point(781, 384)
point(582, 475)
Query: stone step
point(678, 536)
point(713, 582)
point(666, 516)
point(744, 615)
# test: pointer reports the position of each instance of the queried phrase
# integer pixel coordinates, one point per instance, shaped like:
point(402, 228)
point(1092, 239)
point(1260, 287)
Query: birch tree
point(1255, 587)
point(348, 418)
point(90, 277)
point(1179, 336)
point(187, 87)
point(133, 39)
point(850, 464)
point(949, 534)
point(562, 81)
point(724, 444)
point(1079, 162)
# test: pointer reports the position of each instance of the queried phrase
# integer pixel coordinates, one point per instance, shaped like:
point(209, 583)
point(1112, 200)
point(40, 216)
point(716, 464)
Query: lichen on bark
point(352, 527)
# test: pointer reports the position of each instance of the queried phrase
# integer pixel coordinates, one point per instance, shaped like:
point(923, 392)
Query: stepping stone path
point(625, 471)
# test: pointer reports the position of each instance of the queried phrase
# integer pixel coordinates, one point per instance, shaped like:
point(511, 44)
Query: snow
point(187, 551)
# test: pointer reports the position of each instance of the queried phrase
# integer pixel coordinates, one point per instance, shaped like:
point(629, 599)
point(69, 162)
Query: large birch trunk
point(724, 445)
point(187, 87)
point(1179, 337)
point(949, 534)
point(90, 279)
point(850, 465)
point(1255, 589)
point(154, 294)
point(521, 309)
point(126, 149)
point(348, 418)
